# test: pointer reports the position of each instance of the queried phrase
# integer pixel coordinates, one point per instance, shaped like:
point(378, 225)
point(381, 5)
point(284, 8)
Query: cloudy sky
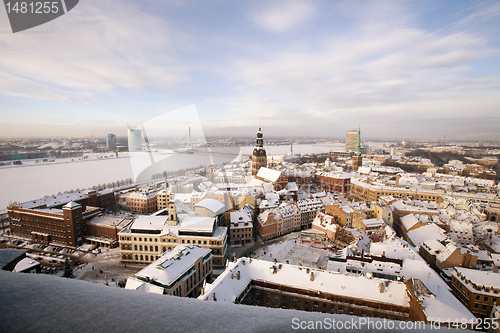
point(398, 69)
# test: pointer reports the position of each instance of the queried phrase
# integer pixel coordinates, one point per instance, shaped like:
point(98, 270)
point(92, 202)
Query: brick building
point(66, 226)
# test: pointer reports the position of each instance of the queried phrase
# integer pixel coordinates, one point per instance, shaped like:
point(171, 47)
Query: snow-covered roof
point(186, 223)
point(395, 248)
point(239, 218)
point(447, 251)
point(215, 206)
point(173, 264)
point(433, 246)
point(480, 278)
point(371, 223)
point(325, 222)
point(110, 220)
point(442, 306)
point(292, 187)
point(72, 205)
point(269, 175)
point(226, 288)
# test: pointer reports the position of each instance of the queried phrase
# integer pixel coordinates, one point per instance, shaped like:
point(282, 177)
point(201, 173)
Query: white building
point(179, 272)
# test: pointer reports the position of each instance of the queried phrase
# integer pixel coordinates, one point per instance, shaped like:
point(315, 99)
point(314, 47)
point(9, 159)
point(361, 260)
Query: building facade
point(142, 202)
point(66, 226)
point(148, 237)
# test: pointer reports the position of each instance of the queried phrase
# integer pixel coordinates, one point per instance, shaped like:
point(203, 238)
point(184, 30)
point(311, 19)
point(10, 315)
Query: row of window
point(169, 240)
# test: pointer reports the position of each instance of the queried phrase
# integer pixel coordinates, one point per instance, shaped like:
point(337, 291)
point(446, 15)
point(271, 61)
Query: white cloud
point(99, 46)
point(284, 15)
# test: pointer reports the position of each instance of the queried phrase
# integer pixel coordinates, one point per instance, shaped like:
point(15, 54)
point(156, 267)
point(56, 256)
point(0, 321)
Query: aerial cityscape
point(251, 166)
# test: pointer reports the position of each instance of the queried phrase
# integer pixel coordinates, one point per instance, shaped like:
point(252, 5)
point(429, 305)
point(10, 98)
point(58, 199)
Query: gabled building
point(478, 290)
point(269, 224)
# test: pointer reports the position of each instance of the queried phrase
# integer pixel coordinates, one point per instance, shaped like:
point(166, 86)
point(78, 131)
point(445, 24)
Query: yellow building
point(148, 236)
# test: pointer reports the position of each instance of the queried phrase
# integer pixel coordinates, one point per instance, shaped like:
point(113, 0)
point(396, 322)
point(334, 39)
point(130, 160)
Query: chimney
point(312, 276)
point(237, 275)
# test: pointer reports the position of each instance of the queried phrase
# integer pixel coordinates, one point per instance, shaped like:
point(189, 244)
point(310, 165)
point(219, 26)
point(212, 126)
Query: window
point(140, 248)
point(151, 248)
point(135, 247)
point(156, 248)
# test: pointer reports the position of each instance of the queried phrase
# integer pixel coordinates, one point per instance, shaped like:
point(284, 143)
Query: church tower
point(259, 158)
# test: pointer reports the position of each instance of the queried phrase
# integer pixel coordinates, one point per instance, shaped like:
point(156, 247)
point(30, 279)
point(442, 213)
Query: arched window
point(142, 258)
point(124, 257)
point(151, 248)
point(129, 257)
point(156, 248)
point(164, 249)
point(135, 247)
point(140, 247)
point(129, 247)
point(136, 257)
point(152, 258)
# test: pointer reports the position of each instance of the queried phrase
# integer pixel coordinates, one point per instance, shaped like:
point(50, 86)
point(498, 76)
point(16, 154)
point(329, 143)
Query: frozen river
point(36, 180)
